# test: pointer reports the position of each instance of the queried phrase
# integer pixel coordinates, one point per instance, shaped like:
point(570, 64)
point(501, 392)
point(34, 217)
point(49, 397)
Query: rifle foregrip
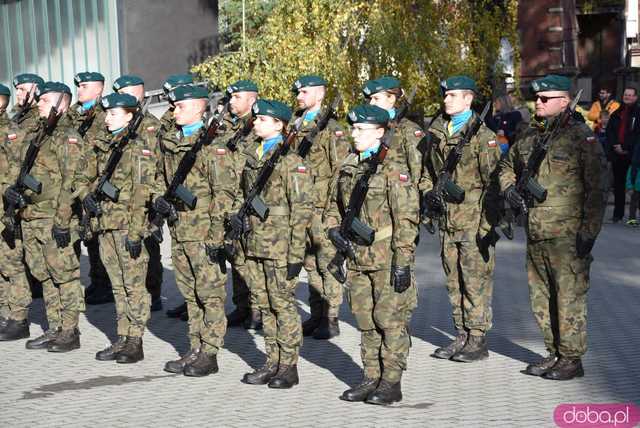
point(538, 192)
point(32, 184)
point(455, 194)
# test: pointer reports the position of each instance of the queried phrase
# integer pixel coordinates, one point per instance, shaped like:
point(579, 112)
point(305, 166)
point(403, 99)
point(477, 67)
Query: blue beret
point(458, 82)
point(47, 87)
point(306, 81)
point(188, 92)
point(176, 80)
point(551, 82)
point(88, 76)
point(27, 78)
point(242, 86)
point(127, 80)
point(5, 91)
point(378, 85)
point(272, 108)
point(118, 100)
point(367, 113)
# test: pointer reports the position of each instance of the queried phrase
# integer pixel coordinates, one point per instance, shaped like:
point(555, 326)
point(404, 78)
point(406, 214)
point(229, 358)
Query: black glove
point(15, 198)
point(293, 270)
point(400, 278)
point(61, 235)
point(341, 243)
point(217, 255)
point(432, 202)
point(584, 245)
point(165, 208)
point(133, 247)
point(515, 199)
point(90, 205)
point(238, 226)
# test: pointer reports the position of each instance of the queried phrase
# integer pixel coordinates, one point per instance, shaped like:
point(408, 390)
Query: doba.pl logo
point(589, 415)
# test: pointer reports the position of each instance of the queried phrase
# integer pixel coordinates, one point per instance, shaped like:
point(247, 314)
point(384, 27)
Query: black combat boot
point(362, 391)
point(237, 316)
point(177, 366)
point(111, 353)
point(131, 351)
point(184, 316)
point(261, 376)
point(542, 366)
point(14, 330)
point(156, 304)
point(177, 311)
point(286, 377)
point(3, 322)
point(327, 329)
point(254, 322)
point(41, 342)
point(452, 348)
point(475, 349)
point(310, 325)
point(203, 365)
point(65, 341)
point(386, 393)
point(565, 369)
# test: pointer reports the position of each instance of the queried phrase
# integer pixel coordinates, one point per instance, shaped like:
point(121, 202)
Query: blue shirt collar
point(117, 131)
point(458, 120)
point(310, 115)
point(270, 143)
point(369, 152)
point(392, 113)
point(88, 105)
point(189, 130)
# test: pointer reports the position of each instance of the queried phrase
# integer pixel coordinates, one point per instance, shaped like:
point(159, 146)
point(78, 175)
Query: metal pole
point(244, 28)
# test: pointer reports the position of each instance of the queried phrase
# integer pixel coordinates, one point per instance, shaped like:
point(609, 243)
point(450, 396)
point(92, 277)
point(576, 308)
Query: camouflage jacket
point(475, 174)
point(404, 151)
point(390, 208)
point(4, 121)
point(97, 130)
point(228, 130)
point(57, 161)
point(574, 174)
point(167, 122)
point(327, 152)
point(213, 180)
point(31, 120)
point(134, 176)
point(288, 194)
point(12, 138)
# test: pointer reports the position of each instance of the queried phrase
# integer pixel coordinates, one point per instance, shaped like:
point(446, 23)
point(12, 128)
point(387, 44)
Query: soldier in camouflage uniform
point(562, 230)
point(134, 86)
point(88, 118)
point(197, 237)
point(466, 229)
point(273, 263)
point(15, 295)
point(167, 124)
point(328, 150)
point(46, 221)
point(382, 291)
point(243, 95)
point(121, 227)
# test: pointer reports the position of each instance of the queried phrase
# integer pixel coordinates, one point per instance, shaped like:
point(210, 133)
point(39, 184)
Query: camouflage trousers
point(469, 283)
point(325, 292)
point(558, 284)
point(382, 316)
point(203, 286)
point(127, 281)
point(15, 294)
point(274, 297)
point(59, 271)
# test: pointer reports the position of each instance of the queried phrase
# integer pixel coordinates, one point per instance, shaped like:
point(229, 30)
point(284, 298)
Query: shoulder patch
point(403, 177)
point(339, 134)
point(147, 153)
point(590, 139)
point(418, 133)
point(72, 140)
point(12, 137)
point(151, 128)
point(492, 143)
point(301, 169)
point(220, 151)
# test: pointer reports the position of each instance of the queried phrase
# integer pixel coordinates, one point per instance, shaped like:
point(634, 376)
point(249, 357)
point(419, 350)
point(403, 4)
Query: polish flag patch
point(147, 152)
point(73, 140)
point(221, 151)
point(590, 139)
point(339, 134)
point(492, 143)
point(302, 169)
point(12, 137)
point(403, 178)
point(419, 133)
point(151, 128)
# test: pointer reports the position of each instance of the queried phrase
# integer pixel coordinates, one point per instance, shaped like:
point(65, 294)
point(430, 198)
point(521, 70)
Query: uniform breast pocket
point(563, 162)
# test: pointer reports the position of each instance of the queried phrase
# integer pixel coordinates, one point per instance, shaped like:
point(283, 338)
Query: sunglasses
point(545, 99)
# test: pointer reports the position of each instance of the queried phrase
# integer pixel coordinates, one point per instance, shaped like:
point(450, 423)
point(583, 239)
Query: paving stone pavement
point(44, 389)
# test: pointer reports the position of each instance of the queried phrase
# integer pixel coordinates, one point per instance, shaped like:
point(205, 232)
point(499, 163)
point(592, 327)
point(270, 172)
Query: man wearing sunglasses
point(562, 230)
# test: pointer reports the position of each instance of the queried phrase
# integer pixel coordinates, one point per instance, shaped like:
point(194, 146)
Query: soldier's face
point(89, 91)
point(384, 100)
point(456, 101)
point(4, 102)
point(366, 135)
point(117, 118)
point(189, 111)
point(310, 97)
point(25, 90)
point(267, 126)
point(241, 102)
point(47, 102)
point(135, 91)
point(551, 103)
point(629, 96)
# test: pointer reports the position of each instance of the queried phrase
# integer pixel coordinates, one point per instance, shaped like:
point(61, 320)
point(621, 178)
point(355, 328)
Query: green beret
point(47, 87)
point(306, 81)
point(176, 80)
point(127, 80)
point(188, 92)
point(272, 108)
point(118, 100)
point(378, 85)
point(4, 90)
point(27, 78)
point(88, 76)
point(242, 86)
point(367, 113)
point(551, 82)
point(458, 82)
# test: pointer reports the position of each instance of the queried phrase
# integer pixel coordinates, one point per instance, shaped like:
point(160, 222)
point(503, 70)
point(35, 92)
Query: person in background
point(505, 121)
point(605, 102)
